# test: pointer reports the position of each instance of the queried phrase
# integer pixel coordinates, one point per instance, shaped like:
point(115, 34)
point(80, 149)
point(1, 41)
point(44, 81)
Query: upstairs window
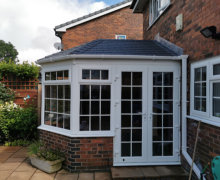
point(157, 7)
point(120, 36)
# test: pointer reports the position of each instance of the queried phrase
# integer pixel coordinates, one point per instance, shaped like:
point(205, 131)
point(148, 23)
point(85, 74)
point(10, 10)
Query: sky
point(29, 24)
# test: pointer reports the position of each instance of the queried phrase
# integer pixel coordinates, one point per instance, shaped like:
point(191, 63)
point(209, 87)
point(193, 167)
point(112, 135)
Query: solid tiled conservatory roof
point(116, 47)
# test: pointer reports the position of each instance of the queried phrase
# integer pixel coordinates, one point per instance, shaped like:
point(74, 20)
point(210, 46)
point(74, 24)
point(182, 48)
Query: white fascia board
point(63, 29)
point(112, 57)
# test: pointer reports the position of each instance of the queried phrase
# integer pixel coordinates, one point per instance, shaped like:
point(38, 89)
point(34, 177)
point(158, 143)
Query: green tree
point(8, 52)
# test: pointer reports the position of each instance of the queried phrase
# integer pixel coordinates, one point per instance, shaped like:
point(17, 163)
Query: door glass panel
point(131, 114)
point(216, 100)
point(162, 134)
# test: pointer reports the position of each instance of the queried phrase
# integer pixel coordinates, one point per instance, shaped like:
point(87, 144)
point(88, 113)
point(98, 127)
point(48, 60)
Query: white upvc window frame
point(55, 82)
point(207, 116)
point(156, 10)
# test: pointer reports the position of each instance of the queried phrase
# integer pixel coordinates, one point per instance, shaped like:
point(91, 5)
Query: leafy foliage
point(6, 94)
point(8, 52)
point(39, 149)
point(17, 123)
point(21, 71)
point(19, 142)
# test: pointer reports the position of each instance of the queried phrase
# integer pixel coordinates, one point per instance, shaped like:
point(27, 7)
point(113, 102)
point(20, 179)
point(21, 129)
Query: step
point(149, 173)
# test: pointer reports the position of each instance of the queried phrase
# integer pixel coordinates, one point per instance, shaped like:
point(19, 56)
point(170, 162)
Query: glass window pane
point(137, 78)
point(157, 134)
point(168, 78)
point(216, 108)
point(137, 121)
point(157, 93)
point(136, 149)
point(137, 107)
point(125, 121)
point(53, 75)
point(59, 75)
point(167, 121)
point(157, 107)
point(66, 122)
point(60, 92)
point(136, 135)
point(105, 92)
point(197, 89)
point(137, 93)
point(84, 107)
point(125, 149)
point(47, 91)
point(95, 123)
point(47, 76)
point(216, 69)
point(104, 74)
point(203, 108)
point(94, 107)
point(125, 135)
point(66, 75)
point(53, 90)
point(84, 123)
point(216, 89)
point(60, 120)
point(95, 92)
point(85, 74)
point(203, 73)
point(167, 134)
point(198, 74)
point(47, 118)
point(105, 123)
point(67, 107)
point(126, 93)
point(157, 121)
point(53, 119)
point(203, 89)
point(126, 78)
point(168, 93)
point(168, 149)
point(95, 74)
point(157, 78)
point(168, 106)
point(54, 105)
point(84, 92)
point(105, 107)
point(67, 92)
point(157, 149)
point(126, 107)
point(60, 106)
point(47, 105)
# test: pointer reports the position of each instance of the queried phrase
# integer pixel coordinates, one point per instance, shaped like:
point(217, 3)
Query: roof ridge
point(91, 14)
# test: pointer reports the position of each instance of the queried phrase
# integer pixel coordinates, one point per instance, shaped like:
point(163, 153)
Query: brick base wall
point(208, 145)
point(81, 154)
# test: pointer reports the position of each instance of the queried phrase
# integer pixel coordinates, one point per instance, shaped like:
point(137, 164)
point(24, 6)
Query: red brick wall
point(122, 21)
point(197, 14)
point(82, 154)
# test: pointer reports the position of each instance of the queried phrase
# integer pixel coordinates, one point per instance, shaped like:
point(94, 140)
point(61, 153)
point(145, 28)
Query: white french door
point(148, 111)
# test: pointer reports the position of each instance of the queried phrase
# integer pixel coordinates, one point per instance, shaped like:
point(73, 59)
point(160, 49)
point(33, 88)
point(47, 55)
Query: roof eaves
point(94, 15)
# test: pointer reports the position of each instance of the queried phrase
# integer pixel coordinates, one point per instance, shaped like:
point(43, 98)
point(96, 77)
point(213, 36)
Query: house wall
point(122, 21)
point(197, 15)
point(81, 154)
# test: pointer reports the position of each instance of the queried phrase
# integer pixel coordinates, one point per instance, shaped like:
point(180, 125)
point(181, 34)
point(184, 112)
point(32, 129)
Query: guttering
point(100, 57)
point(184, 116)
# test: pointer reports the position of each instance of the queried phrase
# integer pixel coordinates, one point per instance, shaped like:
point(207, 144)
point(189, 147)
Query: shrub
point(6, 94)
point(40, 150)
point(17, 123)
point(19, 142)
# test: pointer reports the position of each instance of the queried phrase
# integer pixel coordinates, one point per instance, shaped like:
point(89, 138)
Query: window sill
point(207, 121)
point(159, 16)
point(69, 133)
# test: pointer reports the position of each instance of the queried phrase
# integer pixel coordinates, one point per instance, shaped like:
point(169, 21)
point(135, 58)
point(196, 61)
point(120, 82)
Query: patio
point(14, 164)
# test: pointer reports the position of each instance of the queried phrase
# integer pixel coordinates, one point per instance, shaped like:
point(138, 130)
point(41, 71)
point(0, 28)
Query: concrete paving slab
point(4, 156)
point(21, 159)
point(20, 176)
point(9, 149)
point(149, 172)
point(67, 176)
point(4, 174)
point(9, 166)
point(62, 171)
point(126, 172)
point(86, 176)
point(169, 171)
point(43, 176)
point(25, 166)
point(102, 176)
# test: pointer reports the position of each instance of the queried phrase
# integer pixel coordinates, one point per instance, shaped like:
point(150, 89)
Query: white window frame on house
point(62, 82)
point(206, 116)
point(156, 9)
point(120, 36)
